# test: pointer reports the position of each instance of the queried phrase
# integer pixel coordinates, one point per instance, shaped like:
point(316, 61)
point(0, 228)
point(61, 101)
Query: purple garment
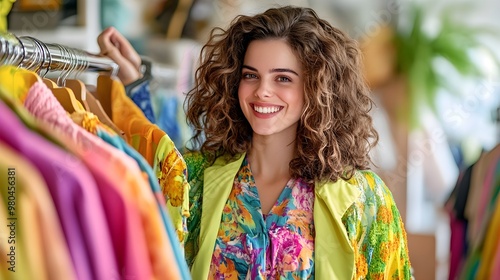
point(75, 197)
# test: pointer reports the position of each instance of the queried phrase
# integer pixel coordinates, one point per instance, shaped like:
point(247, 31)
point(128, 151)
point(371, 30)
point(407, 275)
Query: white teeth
point(266, 110)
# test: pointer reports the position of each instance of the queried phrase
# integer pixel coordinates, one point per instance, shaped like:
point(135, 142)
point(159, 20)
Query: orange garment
point(156, 147)
point(140, 133)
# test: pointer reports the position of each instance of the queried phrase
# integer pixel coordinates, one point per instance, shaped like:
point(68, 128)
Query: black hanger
point(147, 75)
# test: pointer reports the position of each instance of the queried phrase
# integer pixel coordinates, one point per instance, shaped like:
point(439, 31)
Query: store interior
point(432, 67)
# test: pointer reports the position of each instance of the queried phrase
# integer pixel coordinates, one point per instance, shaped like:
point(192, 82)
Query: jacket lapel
point(334, 255)
point(218, 182)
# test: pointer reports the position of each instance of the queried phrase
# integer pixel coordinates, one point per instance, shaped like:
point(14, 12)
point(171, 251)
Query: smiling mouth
point(267, 109)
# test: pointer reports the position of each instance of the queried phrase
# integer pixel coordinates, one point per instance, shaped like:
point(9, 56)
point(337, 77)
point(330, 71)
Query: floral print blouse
point(277, 245)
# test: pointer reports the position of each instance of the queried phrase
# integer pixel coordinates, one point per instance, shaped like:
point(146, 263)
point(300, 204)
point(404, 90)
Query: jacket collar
point(334, 255)
point(217, 184)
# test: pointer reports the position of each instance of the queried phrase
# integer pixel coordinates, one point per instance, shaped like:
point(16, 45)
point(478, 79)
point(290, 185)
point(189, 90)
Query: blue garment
point(141, 97)
point(168, 121)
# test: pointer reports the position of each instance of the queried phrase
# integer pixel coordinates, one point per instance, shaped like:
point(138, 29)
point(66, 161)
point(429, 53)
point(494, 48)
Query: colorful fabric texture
point(128, 176)
point(73, 191)
point(143, 248)
point(358, 230)
point(277, 245)
point(160, 152)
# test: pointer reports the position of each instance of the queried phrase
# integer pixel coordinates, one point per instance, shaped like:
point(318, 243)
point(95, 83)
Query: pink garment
point(478, 177)
point(485, 207)
point(495, 267)
point(457, 246)
point(125, 240)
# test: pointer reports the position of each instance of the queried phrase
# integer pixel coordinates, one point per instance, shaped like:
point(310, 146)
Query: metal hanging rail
point(31, 53)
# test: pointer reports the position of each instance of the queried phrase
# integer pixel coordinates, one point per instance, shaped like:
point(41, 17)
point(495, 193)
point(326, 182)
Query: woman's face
point(271, 90)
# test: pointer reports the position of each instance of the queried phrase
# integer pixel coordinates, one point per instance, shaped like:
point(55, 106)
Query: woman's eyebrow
point(274, 70)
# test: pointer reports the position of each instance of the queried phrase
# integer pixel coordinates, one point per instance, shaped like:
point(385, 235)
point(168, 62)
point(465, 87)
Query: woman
point(280, 186)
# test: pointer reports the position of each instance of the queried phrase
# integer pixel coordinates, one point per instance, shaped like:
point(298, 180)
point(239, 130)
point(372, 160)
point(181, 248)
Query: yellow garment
point(490, 245)
point(13, 261)
point(169, 167)
point(5, 7)
point(17, 81)
point(157, 148)
point(90, 122)
point(40, 244)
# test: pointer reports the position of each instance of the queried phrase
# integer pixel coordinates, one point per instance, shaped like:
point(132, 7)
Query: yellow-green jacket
point(359, 232)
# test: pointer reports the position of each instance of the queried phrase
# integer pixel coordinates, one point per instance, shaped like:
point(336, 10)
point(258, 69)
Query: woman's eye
point(249, 76)
point(284, 79)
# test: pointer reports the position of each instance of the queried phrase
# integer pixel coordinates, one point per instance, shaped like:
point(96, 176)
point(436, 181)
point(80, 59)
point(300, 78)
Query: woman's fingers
point(117, 48)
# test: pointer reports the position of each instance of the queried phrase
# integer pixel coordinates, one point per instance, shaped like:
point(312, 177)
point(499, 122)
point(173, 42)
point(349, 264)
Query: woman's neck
point(270, 157)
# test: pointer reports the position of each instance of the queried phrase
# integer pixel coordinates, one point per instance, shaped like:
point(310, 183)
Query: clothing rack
point(30, 53)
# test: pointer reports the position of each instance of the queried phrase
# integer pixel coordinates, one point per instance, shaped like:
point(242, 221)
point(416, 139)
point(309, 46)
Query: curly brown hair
point(335, 132)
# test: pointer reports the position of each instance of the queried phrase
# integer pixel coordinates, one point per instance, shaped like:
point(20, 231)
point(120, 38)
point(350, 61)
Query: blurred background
point(433, 70)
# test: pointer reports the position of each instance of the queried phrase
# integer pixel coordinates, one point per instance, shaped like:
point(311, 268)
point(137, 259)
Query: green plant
point(417, 51)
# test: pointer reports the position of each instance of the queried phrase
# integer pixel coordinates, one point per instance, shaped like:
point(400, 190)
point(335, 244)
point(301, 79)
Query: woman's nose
point(263, 90)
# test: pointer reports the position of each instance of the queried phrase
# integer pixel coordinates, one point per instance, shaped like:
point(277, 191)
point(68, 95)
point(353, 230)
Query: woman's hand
point(119, 49)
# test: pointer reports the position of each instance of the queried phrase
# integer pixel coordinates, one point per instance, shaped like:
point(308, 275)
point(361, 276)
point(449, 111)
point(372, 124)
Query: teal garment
point(118, 142)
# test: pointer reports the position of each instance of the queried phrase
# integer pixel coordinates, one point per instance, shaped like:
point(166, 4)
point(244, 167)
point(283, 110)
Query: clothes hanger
point(147, 75)
point(90, 103)
point(80, 92)
point(97, 109)
point(77, 86)
point(103, 93)
point(65, 95)
point(67, 99)
point(104, 82)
